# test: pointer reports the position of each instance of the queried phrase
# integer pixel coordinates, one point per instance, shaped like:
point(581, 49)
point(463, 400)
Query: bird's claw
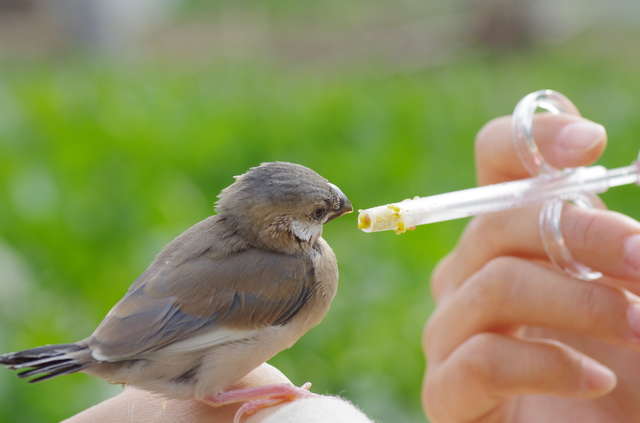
point(258, 398)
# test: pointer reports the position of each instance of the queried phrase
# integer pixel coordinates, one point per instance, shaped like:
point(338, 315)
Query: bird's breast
point(325, 285)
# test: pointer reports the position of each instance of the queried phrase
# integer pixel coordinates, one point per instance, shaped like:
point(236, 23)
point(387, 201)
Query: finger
point(510, 292)
point(601, 239)
point(489, 368)
point(266, 374)
point(564, 141)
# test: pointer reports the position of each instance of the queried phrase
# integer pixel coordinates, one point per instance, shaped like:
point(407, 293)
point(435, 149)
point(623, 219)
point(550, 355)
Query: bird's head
point(281, 206)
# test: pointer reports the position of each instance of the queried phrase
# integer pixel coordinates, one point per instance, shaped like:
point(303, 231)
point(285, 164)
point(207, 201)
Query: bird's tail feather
point(48, 361)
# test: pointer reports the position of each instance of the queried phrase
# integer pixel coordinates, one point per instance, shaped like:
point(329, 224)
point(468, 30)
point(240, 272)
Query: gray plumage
point(220, 299)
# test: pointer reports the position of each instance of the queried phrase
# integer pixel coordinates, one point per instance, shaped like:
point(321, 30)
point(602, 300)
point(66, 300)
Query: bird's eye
point(319, 213)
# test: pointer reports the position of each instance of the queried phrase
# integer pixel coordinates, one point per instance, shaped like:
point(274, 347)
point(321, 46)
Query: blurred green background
point(111, 145)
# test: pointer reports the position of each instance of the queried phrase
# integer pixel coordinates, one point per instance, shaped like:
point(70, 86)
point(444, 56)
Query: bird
point(219, 300)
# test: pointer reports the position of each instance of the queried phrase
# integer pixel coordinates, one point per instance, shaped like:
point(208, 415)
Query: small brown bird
point(220, 299)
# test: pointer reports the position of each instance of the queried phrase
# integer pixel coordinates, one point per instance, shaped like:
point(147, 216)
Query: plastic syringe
point(565, 184)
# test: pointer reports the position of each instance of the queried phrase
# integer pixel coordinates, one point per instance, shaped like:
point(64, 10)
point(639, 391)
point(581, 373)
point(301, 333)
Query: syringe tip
point(382, 218)
point(364, 221)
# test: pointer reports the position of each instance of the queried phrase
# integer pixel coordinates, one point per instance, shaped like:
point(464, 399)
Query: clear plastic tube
point(563, 184)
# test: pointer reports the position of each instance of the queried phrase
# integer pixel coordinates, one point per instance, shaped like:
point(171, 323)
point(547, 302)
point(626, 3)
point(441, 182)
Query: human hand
point(134, 405)
point(514, 339)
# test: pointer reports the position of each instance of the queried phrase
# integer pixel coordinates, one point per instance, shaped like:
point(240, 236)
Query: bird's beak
point(344, 206)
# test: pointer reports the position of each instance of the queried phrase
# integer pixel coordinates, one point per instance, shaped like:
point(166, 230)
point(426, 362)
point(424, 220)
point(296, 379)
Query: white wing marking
point(202, 341)
point(208, 339)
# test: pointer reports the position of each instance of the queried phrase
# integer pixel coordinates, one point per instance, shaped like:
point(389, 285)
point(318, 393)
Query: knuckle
point(429, 332)
point(439, 277)
point(474, 363)
point(486, 134)
point(495, 281)
point(488, 142)
point(444, 276)
point(477, 360)
point(437, 397)
point(499, 268)
point(482, 229)
point(430, 393)
point(427, 337)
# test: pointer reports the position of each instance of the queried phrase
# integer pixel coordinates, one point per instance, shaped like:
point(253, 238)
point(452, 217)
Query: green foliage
point(101, 166)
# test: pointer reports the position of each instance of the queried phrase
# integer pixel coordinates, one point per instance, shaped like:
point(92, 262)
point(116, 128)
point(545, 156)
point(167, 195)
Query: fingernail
point(580, 136)
point(632, 252)
point(597, 377)
point(633, 317)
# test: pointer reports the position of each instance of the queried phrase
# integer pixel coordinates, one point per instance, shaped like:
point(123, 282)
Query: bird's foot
point(256, 399)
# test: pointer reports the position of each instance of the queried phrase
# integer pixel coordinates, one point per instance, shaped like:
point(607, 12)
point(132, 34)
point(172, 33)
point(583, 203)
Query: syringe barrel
point(487, 199)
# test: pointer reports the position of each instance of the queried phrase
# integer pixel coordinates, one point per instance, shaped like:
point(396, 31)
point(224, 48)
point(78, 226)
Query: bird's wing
point(204, 301)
